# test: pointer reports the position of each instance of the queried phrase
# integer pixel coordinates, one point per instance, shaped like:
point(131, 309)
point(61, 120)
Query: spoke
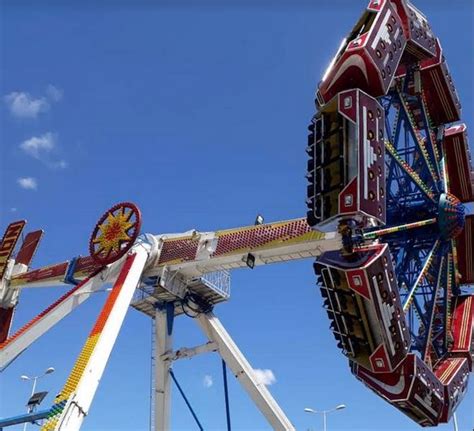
point(397, 124)
point(421, 276)
point(409, 171)
point(418, 313)
point(447, 300)
point(420, 141)
point(429, 127)
point(129, 215)
point(444, 172)
point(429, 331)
point(100, 250)
point(455, 263)
point(401, 228)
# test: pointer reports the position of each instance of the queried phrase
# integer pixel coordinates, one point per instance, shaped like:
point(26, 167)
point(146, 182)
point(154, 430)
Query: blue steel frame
point(410, 132)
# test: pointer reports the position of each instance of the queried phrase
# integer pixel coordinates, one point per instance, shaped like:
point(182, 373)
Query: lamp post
point(325, 412)
point(35, 379)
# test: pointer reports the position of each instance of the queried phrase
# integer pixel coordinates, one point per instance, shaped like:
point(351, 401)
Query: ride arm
point(195, 253)
point(35, 328)
point(56, 274)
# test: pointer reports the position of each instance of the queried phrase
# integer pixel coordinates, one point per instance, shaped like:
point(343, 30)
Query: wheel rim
point(115, 233)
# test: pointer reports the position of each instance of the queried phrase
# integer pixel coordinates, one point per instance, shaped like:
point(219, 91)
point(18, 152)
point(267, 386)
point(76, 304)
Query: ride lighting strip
point(419, 139)
point(424, 104)
point(410, 172)
point(426, 267)
point(401, 228)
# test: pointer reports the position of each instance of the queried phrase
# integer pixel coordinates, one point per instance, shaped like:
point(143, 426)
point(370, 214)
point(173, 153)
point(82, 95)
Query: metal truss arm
point(241, 368)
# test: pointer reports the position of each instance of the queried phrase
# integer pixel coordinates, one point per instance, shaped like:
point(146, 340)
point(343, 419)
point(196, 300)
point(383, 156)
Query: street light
point(35, 379)
point(325, 412)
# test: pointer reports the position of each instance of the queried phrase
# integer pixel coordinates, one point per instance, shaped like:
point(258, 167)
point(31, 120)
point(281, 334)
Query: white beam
point(163, 349)
point(241, 368)
point(79, 403)
point(189, 352)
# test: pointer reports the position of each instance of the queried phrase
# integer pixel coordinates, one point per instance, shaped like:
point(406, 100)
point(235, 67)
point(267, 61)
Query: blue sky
point(198, 114)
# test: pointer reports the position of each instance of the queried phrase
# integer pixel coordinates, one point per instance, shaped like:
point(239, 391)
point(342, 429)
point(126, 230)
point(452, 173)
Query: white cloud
point(264, 376)
point(38, 146)
point(54, 93)
point(207, 381)
point(44, 148)
point(13, 209)
point(28, 183)
point(23, 105)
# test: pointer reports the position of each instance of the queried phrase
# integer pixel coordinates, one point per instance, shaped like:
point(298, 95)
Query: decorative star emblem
point(113, 233)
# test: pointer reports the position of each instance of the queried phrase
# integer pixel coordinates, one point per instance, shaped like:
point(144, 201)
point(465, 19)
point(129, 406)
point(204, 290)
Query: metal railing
point(218, 281)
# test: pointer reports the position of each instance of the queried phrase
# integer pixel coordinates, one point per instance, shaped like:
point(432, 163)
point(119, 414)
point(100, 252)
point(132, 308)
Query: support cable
point(226, 395)
point(186, 400)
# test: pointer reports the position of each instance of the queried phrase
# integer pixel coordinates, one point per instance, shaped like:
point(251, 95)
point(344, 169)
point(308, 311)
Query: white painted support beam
point(164, 349)
point(188, 353)
point(241, 368)
point(79, 403)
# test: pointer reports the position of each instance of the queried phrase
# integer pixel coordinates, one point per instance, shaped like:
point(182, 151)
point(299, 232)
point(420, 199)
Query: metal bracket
point(173, 283)
point(71, 268)
point(188, 353)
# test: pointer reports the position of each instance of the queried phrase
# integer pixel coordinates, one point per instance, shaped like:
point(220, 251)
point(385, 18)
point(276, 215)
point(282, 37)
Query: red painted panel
point(371, 158)
point(453, 373)
point(6, 316)
point(459, 164)
point(49, 272)
point(349, 198)
point(421, 43)
point(8, 243)
point(379, 360)
point(357, 281)
point(376, 5)
point(370, 60)
point(443, 101)
point(86, 265)
point(179, 249)
point(465, 249)
point(413, 388)
point(462, 326)
point(347, 103)
point(259, 236)
point(365, 193)
point(29, 247)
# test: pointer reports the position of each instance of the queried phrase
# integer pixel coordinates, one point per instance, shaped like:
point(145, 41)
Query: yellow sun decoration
point(113, 233)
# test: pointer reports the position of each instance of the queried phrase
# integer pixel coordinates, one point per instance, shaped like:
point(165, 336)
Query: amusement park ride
point(388, 174)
